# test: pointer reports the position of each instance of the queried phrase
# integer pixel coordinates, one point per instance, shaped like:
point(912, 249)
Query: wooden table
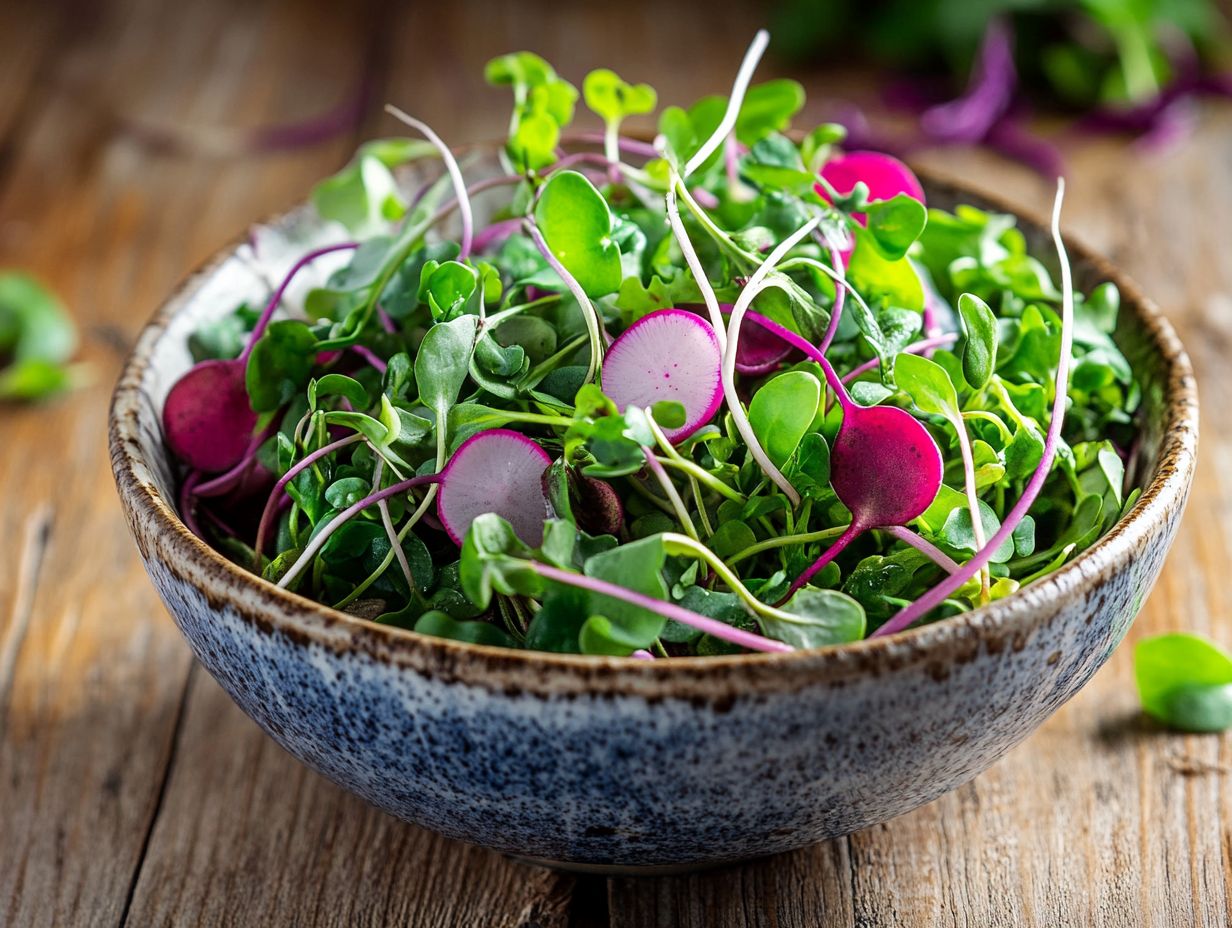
point(132, 790)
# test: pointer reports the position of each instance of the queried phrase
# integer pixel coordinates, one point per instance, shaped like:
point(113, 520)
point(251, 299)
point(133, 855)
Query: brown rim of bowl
point(959, 638)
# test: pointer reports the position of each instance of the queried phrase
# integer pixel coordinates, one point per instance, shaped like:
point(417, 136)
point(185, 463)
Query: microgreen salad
point(724, 391)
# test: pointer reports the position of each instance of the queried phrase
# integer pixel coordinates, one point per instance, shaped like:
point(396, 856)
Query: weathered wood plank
point(247, 835)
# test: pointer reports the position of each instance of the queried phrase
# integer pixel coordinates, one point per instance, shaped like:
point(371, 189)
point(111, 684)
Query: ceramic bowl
point(627, 765)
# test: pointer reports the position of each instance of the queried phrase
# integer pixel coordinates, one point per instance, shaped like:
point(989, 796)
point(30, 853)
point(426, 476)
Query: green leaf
point(810, 471)
point(782, 411)
point(636, 566)
point(958, 531)
point(348, 388)
point(33, 323)
point(613, 99)
point(929, 386)
point(364, 195)
point(768, 107)
point(525, 68)
point(441, 625)
point(979, 354)
point(443, 362)
point(878, 277)
point(895, 224)
point(558, 623)
point(34, 379)
point(1185, 681)
point(280, 364)
point(819, 618)
point(577, 226)
point(495, 560)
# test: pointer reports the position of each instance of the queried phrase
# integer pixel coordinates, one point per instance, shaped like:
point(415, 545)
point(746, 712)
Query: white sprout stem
point(934, 597)
point(739, 88)
point(973, 500)
point(318, 542)
point(754, 286)
point(589, 313)
point(455, 174)
point(673, 496)
point(694, 263)
point(388, 522)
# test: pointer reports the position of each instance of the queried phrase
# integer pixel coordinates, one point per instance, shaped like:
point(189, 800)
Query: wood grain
point(133, 791)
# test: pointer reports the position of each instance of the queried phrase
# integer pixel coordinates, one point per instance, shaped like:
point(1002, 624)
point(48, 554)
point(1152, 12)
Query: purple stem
point(631, 146)
point(451, 166)
point(387, 322)
point(276, 494)
point(937, 594)
point(371, 358)
point(268, 313)
point(318, 541)
point(937, 341)
point(496, 232)
point(852, 532)
point(739, 636)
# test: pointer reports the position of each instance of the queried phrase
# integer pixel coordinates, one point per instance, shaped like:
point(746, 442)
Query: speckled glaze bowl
point(628, 765)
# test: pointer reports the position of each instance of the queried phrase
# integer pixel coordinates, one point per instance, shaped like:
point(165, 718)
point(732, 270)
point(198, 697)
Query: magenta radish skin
point(884, 466)
point(884, 175)
point(498, 471)
point(207, 420)
point(670, 355)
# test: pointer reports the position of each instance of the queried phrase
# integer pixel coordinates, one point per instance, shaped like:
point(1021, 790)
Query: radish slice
point(668, 355)
point(759, 351)
point(498, 471)
point(885, 176)
point(207, 419)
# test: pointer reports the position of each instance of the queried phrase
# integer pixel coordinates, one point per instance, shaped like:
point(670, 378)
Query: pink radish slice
point(498, 471)
point(884, 175)
point(206, 418)
point(670, 355)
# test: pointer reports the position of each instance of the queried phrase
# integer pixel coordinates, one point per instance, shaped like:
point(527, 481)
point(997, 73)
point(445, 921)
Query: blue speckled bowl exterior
point(624, 764)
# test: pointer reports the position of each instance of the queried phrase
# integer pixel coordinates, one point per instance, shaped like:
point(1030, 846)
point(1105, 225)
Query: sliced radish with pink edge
point(670, 355)
point(498, 471)
point(884, 175)
point(207, 420)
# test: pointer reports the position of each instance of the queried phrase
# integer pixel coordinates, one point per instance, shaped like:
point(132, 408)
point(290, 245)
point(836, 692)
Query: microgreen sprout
point(443, 434)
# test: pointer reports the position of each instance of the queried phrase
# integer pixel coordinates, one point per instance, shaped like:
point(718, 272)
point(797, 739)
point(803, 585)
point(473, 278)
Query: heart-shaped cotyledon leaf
point(577, 226)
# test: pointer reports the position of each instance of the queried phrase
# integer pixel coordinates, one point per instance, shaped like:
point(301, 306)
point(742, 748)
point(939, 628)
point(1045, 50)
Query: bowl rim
point(270, 609)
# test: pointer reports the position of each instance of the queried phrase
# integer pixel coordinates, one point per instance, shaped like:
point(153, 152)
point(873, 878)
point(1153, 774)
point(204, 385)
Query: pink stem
point(642, 655)
point(387, 322)
point(318, 541)
point(924, 546)
point(226, 480)
point(268, 313)
point(937, 341)
point(852, 532)
point(276, 494)
point(840, 298)
point(809, 349)
point(668, 610)
point(371, 358)
point(705, 198)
